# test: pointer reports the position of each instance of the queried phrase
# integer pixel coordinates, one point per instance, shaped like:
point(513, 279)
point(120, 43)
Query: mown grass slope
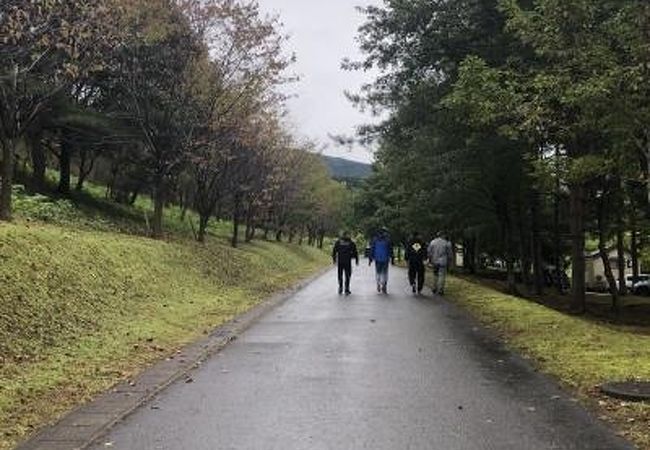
point(581, 353)
point(82, 308)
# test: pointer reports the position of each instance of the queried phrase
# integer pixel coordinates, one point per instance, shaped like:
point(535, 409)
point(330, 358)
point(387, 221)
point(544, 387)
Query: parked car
point(638, 285)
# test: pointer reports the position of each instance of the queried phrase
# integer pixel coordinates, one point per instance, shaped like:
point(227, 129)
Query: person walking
point(416, 255)
point(381, 253)
point(345, 250)
point(440, 255)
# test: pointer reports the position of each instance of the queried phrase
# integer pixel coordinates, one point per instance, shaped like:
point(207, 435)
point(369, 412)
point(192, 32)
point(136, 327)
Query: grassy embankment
point(87, 300)
point(582, 353)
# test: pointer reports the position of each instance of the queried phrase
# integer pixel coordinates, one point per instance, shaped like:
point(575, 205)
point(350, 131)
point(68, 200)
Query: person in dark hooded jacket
point(345, 250)
point(416, 256)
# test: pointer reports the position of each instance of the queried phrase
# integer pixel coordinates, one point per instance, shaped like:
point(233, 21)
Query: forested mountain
point(345, 169)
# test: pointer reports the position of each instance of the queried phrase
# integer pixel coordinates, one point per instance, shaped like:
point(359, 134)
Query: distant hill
point(344, 169)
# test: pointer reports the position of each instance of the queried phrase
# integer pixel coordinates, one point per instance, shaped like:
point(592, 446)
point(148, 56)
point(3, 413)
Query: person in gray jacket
point(440, 253)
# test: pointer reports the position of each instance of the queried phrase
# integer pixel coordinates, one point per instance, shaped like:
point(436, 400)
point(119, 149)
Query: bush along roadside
point(580, 353)
point(81, 310)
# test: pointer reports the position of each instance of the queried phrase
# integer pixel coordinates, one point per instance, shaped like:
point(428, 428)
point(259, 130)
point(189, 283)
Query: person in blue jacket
point(381, 253)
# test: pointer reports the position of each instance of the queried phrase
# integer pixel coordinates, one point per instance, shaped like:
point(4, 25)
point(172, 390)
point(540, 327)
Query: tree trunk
point(134, 196)
point(235, 223)
point(538, 269)
point(647, 159)
point(7, 173)
point(619, 210)
point(557, 254)
point(235, 231)
point(609, 274)
point(604, 254)
point(39, 163)
point(86, 166)
point(511, 278)
point(476, 254)
point(577, 213)
point(507, 235)
point(204, 220)
point(634, 247)
point(110, 187)
point(250, 231)
point(250, 227)
point(622, 263)
point(159, 206)
point(65, 158)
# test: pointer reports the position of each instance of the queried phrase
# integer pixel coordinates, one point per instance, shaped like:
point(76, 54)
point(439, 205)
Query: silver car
point(638, 285)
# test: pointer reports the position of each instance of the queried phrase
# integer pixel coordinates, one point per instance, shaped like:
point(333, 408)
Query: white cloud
point(322, 35)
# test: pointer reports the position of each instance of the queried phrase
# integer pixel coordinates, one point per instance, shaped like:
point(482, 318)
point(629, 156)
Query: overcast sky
point(322, 33)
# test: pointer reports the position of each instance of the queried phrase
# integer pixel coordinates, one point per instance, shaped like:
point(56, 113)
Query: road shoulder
point(85, 424)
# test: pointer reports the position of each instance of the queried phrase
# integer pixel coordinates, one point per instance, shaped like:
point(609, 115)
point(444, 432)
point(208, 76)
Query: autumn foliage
point(176, 99)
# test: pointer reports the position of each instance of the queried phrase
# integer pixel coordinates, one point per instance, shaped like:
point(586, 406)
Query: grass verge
point(82, 309)
point(581, 353)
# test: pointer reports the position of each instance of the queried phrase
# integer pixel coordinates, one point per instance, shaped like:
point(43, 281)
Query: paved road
point(364, 372)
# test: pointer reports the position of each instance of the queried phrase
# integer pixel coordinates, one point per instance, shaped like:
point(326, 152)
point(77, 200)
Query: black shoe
point(379, 288)
point(348, 293)
point(340, 291)
point(413, 288)
point(384, 289)
point(441, 293)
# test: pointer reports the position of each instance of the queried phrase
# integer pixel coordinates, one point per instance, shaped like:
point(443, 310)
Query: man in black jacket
point(344, 252)
point(416, 255)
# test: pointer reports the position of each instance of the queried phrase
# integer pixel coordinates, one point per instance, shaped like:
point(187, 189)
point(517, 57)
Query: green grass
point(89, 209)
point(581, 353)
point(86, 300)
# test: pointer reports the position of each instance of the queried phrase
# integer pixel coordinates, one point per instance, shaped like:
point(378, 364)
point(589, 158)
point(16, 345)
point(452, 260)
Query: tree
point(153, 93)
point(45, 49)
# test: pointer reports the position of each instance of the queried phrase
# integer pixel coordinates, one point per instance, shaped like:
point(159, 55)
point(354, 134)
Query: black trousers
point(416, 273)
point(345, 270)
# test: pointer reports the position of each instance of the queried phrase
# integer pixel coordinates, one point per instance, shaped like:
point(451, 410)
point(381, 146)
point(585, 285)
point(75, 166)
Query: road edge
point(87, 423)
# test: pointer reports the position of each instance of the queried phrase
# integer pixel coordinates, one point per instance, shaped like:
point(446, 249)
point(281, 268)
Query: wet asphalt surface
point(367, 371)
